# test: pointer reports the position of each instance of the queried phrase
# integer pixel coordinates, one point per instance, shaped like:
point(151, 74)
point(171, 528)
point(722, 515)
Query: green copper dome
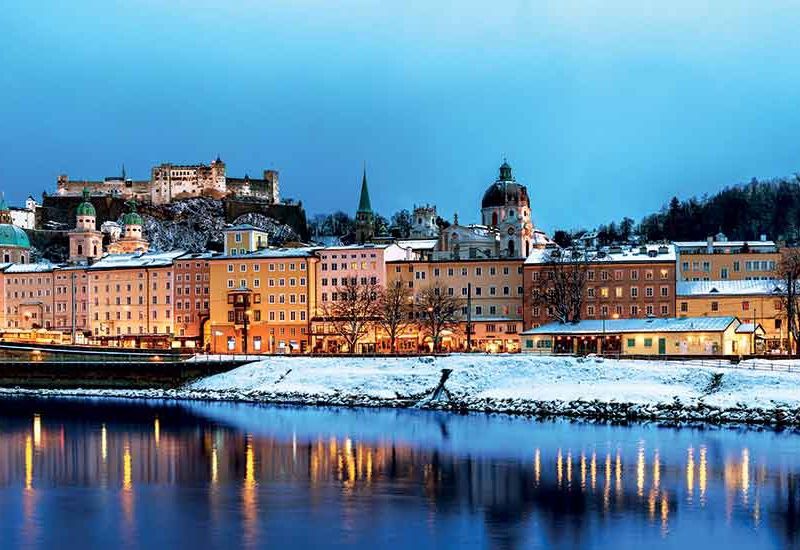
point(85, 208)
point(132, 217)
point(11, 235)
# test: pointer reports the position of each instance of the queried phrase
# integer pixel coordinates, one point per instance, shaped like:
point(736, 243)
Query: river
point(77, 473)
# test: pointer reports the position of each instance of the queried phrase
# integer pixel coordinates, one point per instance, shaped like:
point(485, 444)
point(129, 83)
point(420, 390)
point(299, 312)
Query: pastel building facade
point(490, 292)
point(622, 282)
point(704, 336)
point(262, 302)
point(753, 301)
point(717, 258)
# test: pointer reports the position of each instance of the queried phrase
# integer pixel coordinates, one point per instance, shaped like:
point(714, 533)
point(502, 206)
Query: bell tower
point(85, 241)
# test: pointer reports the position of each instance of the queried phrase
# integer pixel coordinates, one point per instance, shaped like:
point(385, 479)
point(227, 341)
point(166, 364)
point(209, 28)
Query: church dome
point(132, 218)
point(11, 235)
point(85, 208)
point(505, 191)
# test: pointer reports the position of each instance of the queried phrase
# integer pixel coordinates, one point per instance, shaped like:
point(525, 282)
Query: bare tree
point(350, 310)
point(437, 311)
point(395, 312)
point(788, 271)
point(561, 284)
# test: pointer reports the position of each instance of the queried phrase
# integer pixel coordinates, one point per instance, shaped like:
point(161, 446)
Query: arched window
point(94, 251)
point(6, 258)
point(80, 250)
point(22, 258)
point(511, 247)
point(527, 248)
point(494, 218)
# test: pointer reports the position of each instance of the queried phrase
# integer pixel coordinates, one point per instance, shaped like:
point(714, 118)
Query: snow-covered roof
point(301, 252)
point(609, 254)
point(418, 244)
point(724, 244)
point(749, 328)
point(244, 227)
point(154, 259)
point(728, 288)
point(655, 324)
point(367, 246)
point(42, 267)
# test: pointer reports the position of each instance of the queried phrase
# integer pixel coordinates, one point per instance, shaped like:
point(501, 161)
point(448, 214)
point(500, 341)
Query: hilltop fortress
point(169, 182)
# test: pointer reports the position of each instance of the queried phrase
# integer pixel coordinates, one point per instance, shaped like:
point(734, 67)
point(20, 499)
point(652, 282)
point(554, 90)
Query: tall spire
point(364, 204)
point(123, 171)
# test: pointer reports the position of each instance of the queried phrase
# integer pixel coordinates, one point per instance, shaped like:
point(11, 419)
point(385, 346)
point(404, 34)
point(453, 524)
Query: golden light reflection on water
point(249, 495)
point(703, 474)
point(351, 464)
point(583, 471)
point(689, 473)
point(37, 431)
point(28, 463)
point(640, 466)
point(559, 467)
point(103, 443)
point(745, 475)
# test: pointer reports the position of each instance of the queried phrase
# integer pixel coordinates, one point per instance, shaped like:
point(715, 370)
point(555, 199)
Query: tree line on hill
point(741, 212)
point(341, 224)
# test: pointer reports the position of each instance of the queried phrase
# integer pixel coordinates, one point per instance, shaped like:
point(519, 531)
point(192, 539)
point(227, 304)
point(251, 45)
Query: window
point(684, 307)
point(714, 306)
point(745, 305)
point(631, 342)
point(648, 342)
point(723, 273)
point(634, 292)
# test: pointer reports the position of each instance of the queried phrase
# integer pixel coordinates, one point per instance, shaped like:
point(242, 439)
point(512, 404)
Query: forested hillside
point(741, 212)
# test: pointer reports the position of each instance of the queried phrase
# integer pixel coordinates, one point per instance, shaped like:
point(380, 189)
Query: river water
point(133, 474)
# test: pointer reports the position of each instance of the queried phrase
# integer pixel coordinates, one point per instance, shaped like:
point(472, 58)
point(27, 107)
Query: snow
point(609, 254)
point(484, 378)
point(651, 324)
point(728, 288)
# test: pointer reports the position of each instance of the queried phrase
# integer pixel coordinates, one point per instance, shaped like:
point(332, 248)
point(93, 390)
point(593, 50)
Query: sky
point(604, 109)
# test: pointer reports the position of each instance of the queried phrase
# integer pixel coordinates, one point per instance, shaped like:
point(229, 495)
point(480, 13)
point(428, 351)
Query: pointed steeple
point(123, 172)
point(364, 204)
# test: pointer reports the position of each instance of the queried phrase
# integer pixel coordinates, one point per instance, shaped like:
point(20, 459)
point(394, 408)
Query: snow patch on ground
point(517, 377)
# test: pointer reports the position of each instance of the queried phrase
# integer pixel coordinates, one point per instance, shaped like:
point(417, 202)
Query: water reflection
point(364, 478)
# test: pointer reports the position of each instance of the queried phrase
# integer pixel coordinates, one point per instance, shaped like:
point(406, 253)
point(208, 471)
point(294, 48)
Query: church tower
point(506, 207)
point(85, 241)
point(365, 217)
point(132, 239)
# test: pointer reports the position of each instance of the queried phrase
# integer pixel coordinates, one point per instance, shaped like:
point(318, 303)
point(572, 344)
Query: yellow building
point(717, 258)
point(490, 290)
point(655, 336)
point(758, 302)
point(243, 239)
point(261, 302)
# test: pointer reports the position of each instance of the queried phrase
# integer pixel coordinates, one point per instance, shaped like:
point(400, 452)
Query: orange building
point(262, 302)
point(622, 283)
point(754, 302)
point(491, 293)
point(718, 259)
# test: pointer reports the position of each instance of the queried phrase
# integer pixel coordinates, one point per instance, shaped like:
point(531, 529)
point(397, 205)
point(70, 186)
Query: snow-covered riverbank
point(520, 384)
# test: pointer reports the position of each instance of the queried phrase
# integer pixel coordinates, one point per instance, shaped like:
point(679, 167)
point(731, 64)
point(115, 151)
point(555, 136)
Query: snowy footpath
point(518, 384)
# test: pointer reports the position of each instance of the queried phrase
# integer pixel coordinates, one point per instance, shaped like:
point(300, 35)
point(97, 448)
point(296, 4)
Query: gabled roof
point(617, 326)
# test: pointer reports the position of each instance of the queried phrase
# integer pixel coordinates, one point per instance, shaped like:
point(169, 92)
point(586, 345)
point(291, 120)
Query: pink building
point(362, 264)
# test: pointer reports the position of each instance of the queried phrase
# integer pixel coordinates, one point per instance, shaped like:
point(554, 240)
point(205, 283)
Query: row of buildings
point(259, 299)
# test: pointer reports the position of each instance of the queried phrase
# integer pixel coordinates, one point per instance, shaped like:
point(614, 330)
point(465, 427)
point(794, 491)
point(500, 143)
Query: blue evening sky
point(603, 108)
